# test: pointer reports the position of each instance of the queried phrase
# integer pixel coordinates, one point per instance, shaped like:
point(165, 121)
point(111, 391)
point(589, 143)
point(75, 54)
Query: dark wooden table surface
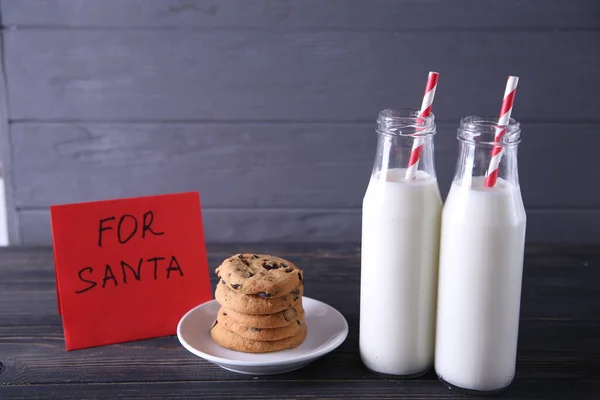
point(558, 358)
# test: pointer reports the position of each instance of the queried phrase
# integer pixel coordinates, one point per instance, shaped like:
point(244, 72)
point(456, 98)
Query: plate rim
point(332, 345)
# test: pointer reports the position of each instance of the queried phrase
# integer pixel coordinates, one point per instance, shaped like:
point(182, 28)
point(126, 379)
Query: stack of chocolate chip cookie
point(261, 304)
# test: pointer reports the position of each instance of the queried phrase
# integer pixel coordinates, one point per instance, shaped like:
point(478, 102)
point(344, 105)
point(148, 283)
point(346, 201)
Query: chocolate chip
point(289, 269)
point(254, 256)
point(254, 329)
point(264, 295)
point(299, 323)
point(247, 274)
point(300, 277)
point(241, 257)
point(223, 282)
point(224, 313)
point(236, 286)
point(270, 266)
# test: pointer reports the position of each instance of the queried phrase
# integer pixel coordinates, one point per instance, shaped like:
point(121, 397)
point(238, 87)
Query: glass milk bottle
point(481, 264)
point(399, 257)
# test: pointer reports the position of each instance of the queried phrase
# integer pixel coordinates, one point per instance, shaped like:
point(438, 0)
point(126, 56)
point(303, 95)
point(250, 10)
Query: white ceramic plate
point(327, 329)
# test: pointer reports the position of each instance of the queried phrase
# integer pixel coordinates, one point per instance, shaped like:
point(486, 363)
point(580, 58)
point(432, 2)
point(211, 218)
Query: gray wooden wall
point(268, 107)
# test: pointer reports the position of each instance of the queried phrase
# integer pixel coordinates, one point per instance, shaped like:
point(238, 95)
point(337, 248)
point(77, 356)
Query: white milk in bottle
point(399, 257)
point(481, 265)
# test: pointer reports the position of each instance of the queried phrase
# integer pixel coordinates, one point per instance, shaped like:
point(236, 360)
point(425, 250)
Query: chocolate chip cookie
point(269, 321)
point(260, 274)
point(255, 333)
point(230, 340)
point(255, 304)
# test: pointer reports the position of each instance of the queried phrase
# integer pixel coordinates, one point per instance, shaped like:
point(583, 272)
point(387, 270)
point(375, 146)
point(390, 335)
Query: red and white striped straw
point(415, 153)
point(504, 120)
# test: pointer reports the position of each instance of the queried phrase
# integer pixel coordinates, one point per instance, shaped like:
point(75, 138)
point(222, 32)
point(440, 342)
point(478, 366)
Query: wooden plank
point(233, 165)
point(334, 14)
point(565, 350)
point(264, 165)
point(256, 226)
point(6, 159)
point(258, 388)
point(559, 349)
point(557, 285)
point(139, 75)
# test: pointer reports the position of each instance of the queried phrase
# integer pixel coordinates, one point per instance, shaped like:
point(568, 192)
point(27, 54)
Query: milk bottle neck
point(397, 132)
point(477, 138)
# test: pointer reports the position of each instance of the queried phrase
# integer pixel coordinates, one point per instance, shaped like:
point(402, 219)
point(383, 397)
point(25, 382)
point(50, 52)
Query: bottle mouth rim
point(483, 129)
point(405, 122)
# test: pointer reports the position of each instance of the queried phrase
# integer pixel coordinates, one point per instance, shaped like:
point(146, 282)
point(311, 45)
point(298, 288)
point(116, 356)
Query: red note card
point(128, 269)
